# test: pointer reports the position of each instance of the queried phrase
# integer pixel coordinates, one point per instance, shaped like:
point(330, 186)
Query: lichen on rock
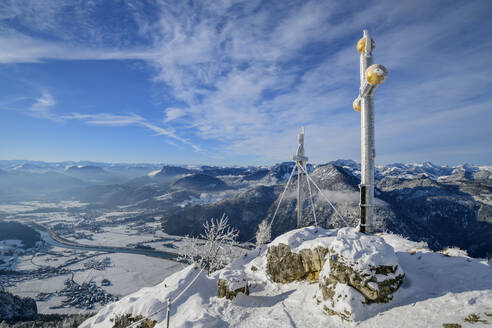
point(285, 266)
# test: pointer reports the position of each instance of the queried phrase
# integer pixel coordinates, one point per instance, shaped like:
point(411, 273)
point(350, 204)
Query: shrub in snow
point(215, 247)
point(360, 269)
point(263, 235)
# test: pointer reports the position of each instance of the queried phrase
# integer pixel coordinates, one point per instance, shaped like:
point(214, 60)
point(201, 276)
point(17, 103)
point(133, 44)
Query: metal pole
point(367, 142)
point(300, 160)
point(299, 180)
point(168, 315)
point(299, 194)
point(370, 77)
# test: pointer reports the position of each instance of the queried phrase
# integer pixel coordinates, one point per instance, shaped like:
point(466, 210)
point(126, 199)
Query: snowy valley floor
point(127, 273)
point(437, 289)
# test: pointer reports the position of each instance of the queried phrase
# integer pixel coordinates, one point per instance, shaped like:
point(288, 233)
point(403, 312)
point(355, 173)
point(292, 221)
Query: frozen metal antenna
point(300, 160)
point(302, 173)
point(370, 77)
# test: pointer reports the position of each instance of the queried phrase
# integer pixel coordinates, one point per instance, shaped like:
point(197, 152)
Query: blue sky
point(232, 82)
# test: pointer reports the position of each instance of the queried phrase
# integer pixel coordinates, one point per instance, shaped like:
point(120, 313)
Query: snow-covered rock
point(454, 251)
point(353, 269)
point(360, 270)
point(363, 252)
point(298, 255)
point(285, 266)
point(230, 288)
point(230, 282)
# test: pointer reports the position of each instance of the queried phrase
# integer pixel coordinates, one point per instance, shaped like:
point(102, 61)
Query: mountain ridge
point(443, 205)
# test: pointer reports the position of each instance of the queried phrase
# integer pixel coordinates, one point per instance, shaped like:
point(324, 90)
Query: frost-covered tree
point(263, 235)
point(214, 248)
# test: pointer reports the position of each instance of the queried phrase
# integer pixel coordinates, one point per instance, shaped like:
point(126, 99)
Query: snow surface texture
point(306, 238)
point(437, 289)
point(363, 251)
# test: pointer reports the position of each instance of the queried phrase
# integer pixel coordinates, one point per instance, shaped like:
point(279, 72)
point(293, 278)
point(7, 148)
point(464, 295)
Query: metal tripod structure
point(303, 175)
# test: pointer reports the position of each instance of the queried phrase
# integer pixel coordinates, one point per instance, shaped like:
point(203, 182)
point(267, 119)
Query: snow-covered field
point(437, 289)
point(127, 272)
point(118, 236)
point(116, 215)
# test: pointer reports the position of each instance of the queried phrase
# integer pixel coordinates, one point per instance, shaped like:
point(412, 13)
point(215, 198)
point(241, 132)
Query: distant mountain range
point(441, 205)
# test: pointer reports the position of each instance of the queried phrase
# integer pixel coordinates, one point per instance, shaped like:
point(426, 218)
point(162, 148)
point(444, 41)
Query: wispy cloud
point(18, 48)
point(253, 73)
point(34, 31)
point(106, 119)
point(42, 107)
point(173, 113)
point(248, 74)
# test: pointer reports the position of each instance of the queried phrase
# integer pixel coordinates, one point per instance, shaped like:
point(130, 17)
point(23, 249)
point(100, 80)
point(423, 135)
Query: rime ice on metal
point(370, 77)
point(301, 160)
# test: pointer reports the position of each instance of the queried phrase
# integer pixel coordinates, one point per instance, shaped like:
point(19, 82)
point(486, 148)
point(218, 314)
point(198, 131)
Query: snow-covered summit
point(437, 289)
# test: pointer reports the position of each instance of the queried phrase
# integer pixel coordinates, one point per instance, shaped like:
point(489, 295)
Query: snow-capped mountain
point(419, 203)
point(410, 170)
point(444, 206)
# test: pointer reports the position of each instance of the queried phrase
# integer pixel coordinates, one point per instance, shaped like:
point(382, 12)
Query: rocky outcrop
point(224, 289)
point(353, 270)
point(284, 266)
point(360, 270)
point(14, 308)
point(367, 284)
